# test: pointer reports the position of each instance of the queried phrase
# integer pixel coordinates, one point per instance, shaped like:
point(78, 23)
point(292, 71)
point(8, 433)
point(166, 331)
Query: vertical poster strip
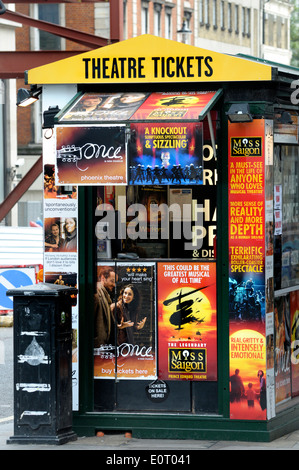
point(60, 242)
point(294, 311)
point(282, 355)
point(187, 321)
point(269, 267)
point(247, 270)
point(128, 351)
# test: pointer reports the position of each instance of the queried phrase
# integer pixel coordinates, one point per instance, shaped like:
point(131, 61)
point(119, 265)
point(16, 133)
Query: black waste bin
point(42, 364)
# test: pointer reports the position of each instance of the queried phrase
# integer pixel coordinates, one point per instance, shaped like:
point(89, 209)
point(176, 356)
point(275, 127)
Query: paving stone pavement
point(121, 444)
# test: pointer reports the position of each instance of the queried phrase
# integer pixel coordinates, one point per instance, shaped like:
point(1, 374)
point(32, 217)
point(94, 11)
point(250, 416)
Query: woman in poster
point(127, 314)
point(263, 400)
point(70, 230)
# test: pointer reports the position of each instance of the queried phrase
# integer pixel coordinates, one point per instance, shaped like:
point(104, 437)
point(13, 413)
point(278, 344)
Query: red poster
point(247, 270)
point(187, 321)
point(171, 105)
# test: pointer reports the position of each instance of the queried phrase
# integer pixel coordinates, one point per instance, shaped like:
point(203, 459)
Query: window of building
point(125, 19)
point(201, 12)
point(222, 15)
point(144, 18)
point(279, 30)
point(248, 22)
point(229, 17)
point(243, 21)
point(286, 34)
point(215, 14)
point(48, 12)
point(207, 13)
point(168, 23)
point(236, 19)
point(157, 19)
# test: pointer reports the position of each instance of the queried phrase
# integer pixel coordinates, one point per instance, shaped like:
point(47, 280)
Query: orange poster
point(187, 321)
point(247, 270)
point(174, 105)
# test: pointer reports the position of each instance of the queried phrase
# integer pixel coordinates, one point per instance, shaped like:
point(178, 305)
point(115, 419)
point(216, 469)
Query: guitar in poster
point(95, 155)
point(187, 321)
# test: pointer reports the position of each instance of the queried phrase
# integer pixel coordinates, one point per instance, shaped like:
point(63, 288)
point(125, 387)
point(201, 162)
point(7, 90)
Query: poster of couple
point(124, 321)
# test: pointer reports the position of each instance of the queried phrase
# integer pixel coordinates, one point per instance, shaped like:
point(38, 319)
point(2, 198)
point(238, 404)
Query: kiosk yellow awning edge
point(148, 58)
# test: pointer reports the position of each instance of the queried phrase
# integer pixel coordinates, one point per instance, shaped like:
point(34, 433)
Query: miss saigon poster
point(247, 257)
point(187, 331)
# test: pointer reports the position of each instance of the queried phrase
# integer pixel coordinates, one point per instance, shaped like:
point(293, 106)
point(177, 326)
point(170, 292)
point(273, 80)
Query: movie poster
point(174, 105)
point(294, 311)
point(130, 351)
point(187, 321)
point(282, 355)
point(97, 107)
point(95, 155)
point(166, 153)
point(247, 270)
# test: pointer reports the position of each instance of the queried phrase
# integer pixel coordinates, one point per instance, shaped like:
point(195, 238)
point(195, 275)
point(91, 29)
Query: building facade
point(219, 25)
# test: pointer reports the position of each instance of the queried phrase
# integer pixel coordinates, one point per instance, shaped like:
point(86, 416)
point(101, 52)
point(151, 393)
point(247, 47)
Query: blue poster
point(166, 153)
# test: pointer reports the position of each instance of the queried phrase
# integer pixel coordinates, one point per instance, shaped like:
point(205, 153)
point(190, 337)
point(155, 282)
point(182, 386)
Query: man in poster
point(103, 324)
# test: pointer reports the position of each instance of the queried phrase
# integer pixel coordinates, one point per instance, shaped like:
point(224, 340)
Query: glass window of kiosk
point(155, 313)
point(286, 216)
point(161, 249)
point(286, 271)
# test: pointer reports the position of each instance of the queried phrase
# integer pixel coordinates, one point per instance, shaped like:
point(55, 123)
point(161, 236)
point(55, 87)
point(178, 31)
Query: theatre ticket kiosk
point(171, 202)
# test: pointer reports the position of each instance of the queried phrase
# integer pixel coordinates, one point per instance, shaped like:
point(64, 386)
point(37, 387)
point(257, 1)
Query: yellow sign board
point(149, 59)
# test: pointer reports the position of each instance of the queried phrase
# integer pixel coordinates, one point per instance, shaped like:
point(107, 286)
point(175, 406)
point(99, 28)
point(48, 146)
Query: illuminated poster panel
point(129, 353)
point(247, 270)
point(103, 107)
point(187, 321)
point(93, 155)
point(166, 153)
point(174, 106)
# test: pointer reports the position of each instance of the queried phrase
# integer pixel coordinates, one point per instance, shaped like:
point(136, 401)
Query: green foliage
point(295, 33)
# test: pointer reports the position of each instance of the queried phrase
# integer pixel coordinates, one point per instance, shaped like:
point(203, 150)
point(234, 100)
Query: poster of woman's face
point(106, 107)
